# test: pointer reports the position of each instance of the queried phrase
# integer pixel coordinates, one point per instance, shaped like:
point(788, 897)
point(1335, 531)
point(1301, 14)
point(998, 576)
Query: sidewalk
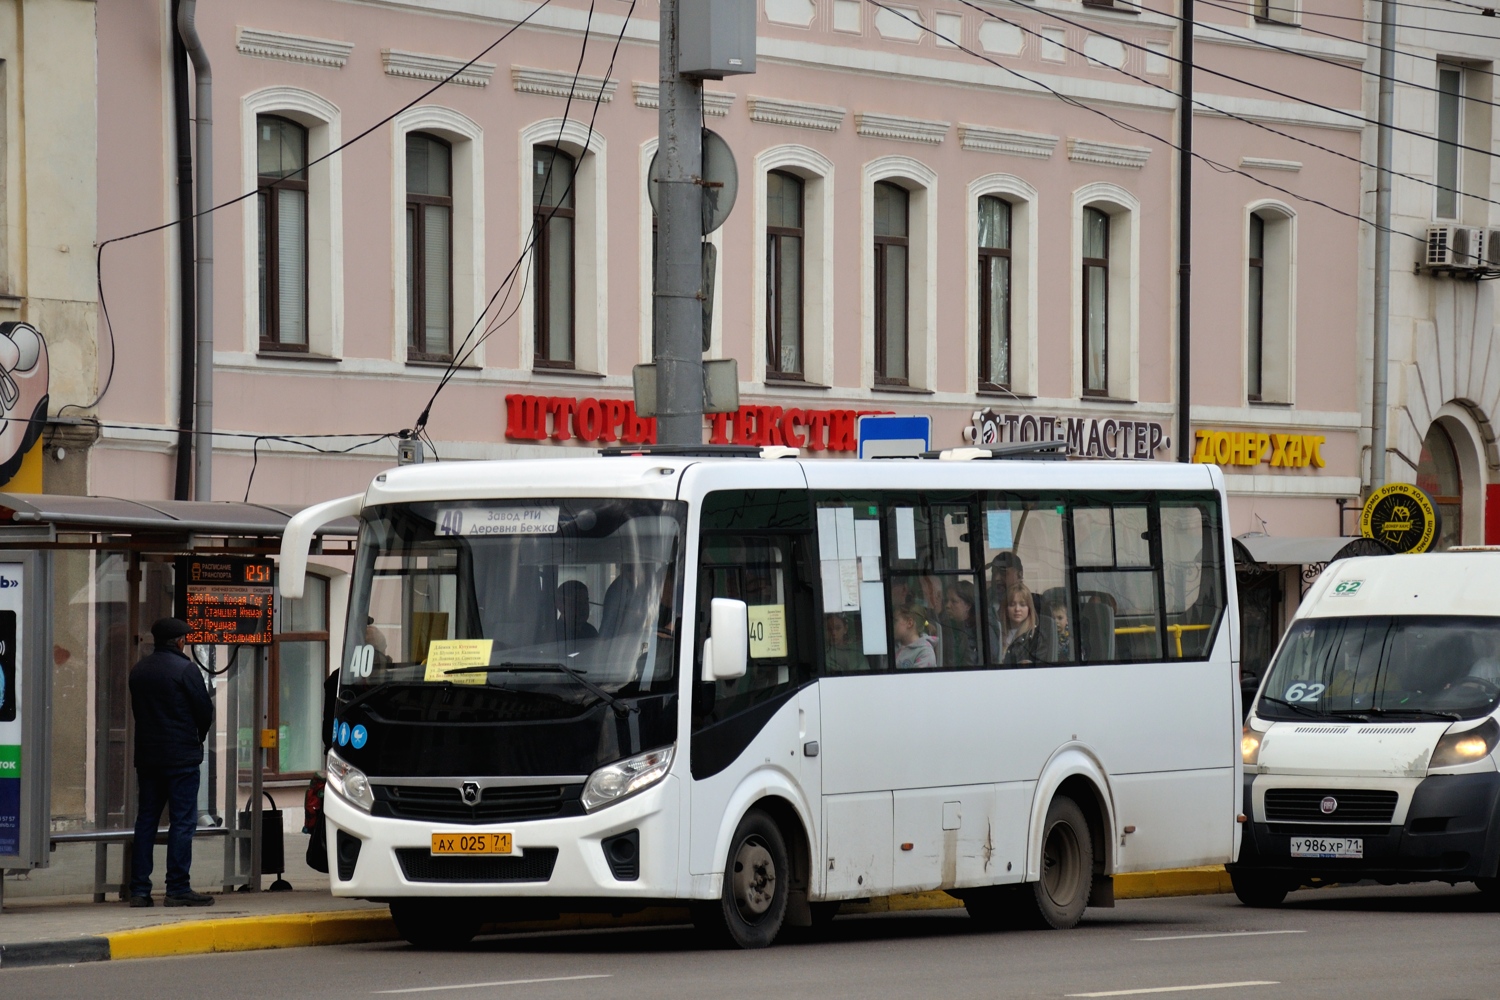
point(67, 930)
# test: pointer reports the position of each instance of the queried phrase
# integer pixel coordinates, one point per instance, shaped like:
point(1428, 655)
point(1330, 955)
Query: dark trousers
point(177, 789)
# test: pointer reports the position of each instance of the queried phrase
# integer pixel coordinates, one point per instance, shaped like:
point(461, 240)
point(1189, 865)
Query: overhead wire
point(1250, 5)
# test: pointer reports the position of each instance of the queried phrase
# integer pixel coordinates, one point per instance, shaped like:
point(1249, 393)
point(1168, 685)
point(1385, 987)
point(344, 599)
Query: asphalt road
point(1432, 942)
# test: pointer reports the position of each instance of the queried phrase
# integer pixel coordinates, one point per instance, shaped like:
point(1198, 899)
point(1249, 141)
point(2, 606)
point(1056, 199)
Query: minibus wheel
point(749, 912)
point(1058, 899)
point(435, 923)
point(1489, 888)
point(1258, 890)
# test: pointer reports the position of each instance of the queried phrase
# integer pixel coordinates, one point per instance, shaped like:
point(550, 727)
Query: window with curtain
point(994, 293)
point(784, 242)
point(1449, 137)
point(1095, 303)
point(299, 665)
point(429, 248)
point(281, 199)
point(892, 262)
point(552, 256)
point(1255, 320)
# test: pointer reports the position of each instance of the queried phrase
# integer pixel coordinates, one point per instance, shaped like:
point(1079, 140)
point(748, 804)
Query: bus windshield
point(1410, 667)
point(568, 600)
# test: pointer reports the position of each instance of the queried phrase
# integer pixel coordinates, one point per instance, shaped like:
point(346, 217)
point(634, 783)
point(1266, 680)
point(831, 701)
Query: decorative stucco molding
point(1261, 163)
point(421, 66)
point(900, 127)
point(555, 83)
point(293, 48)
point(771, 110)
point(715, 102)
point(1107, 154)
point(984, 139)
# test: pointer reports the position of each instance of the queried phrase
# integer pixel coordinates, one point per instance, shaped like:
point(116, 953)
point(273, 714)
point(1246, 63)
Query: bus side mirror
point(726, 652)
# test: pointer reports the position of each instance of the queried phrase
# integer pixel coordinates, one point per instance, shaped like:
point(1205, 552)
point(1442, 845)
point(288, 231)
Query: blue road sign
point(887, 436)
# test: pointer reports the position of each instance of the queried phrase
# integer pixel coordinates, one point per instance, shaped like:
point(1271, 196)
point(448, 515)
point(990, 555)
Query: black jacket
point(172, 711)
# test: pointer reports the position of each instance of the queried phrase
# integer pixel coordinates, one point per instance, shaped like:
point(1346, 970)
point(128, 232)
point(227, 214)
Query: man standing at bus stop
point(172, 714)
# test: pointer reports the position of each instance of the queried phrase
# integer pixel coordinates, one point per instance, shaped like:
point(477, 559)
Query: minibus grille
point(445, 804)
point(420, 865)
point(1350, 805)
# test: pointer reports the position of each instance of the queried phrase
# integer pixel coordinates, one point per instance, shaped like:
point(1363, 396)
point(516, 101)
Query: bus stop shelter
point(81, 580)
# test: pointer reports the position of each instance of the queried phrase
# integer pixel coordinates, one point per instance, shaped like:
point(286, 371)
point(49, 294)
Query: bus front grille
point(445, 804)
point(420, 865)
point(1347, 805)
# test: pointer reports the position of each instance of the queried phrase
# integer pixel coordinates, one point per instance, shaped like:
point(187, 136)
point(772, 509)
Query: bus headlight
point(1250, 746)
point(624, 778)
point(1467, 746)
point(350, 782)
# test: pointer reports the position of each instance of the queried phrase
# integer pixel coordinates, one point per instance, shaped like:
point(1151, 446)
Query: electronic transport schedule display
point(763, 687)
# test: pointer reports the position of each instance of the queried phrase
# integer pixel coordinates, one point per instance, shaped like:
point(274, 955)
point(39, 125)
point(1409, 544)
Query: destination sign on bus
point(226, 601)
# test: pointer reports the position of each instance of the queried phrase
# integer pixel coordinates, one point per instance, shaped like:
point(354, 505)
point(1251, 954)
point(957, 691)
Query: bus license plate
point(471, 843)
point(1328, 847)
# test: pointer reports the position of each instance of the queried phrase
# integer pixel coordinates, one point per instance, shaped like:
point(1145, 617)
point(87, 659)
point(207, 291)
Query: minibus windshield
point(570, 601)
point(1409, 667)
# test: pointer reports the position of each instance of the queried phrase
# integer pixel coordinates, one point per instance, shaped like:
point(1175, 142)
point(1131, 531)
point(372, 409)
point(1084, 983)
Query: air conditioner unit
point(1455, 247)
point(1492, 249)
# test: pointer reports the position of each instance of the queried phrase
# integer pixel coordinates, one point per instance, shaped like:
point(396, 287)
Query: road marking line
point(1195, 937)
point(503, 982)
point(1178, 989)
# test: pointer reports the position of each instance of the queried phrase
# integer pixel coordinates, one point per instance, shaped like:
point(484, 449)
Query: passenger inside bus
point(1018, 631)
point(913, 651)
point(960, 627)
point(1057, 610)
point(572, 604)
point(842, 654)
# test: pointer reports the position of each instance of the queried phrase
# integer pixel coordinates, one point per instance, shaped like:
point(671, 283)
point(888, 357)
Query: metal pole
point(1185, 240)
point(203, 454)
point(187, 304)
point(1382, 311)
point(679, 234)
point(257, 767)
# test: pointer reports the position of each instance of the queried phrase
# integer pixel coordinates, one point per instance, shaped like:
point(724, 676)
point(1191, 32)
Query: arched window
point(1439, 475)
point(429, 247)
point(994, 293)
point(552, 207)
point(1255, 322)
point(892, 280)
point(281, 168)
point(784, 243)
point(1095, 303)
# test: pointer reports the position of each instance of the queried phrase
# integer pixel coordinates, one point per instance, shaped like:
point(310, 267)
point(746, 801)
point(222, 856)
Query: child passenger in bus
point(1019, 636)
point(913, 651)
point(1059, 612)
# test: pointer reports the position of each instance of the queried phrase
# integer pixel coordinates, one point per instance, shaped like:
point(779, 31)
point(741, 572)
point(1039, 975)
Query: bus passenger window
point(1027, 612)
point(852, 565)
point(1117, 595)
point(934, 597)
point(1192, 576)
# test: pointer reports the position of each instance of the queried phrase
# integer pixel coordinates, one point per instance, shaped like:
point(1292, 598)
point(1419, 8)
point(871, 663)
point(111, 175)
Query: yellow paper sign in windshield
point(767, 631)
point(444, 655)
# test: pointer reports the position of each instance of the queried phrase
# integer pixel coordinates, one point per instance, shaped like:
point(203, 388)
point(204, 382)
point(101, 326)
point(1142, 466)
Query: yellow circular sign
point(1401, 516)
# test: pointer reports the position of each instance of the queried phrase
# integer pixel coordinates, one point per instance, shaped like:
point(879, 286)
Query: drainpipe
point(1382, 311)
point(182, 119)
point(203, 453)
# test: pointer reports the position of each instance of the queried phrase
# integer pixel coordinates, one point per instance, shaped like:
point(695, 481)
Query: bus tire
point(997, 907)
point(757, 874)
point(435, 923)
point(1489, 889)
point(1057, 899)
point(1258, 890)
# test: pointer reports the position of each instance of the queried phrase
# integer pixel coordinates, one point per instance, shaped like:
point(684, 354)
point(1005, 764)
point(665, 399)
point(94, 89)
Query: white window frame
point(325, 217)
point(1123, 209)
point(920, 181)
point(646, 279)
point(590, 244)
point(1279, 302)
point(1024, 212)
point(816, 173)
point(467, 141)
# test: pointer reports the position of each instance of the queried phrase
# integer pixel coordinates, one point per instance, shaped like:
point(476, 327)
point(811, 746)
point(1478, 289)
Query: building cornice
point(798, 114)
point(422, 66)
point(1261, 163)
point(1107, 154)
point(987, 139)
point(265, 44)
point(715, 102)
point(901, 128)
point(556, 83)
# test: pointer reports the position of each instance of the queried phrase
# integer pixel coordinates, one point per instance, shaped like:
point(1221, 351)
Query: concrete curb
point(301, 930)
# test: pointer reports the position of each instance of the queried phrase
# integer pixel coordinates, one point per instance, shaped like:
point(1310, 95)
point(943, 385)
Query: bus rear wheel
point(749, 912)
point(435, 923)
point(1258, 890)
point(1057, 899)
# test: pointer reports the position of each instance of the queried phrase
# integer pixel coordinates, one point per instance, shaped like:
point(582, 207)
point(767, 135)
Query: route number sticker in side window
point(1348, 587)
point(1304, 692)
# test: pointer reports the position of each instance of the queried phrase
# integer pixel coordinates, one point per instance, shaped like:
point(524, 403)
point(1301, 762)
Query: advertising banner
point(11, 695)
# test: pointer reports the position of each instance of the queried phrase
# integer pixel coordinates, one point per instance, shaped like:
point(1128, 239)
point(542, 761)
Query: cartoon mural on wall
point(23, 394)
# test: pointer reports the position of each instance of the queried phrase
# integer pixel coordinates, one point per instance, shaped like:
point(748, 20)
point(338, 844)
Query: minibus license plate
point(471, 843)
point(1328, 847)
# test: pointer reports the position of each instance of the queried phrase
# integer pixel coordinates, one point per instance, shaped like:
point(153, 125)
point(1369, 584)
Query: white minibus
point(1369, 751)
point(763, 686)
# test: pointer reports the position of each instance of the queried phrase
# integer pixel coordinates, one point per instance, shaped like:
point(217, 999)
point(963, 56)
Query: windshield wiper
point(1309, 712)
point(621, 708)
point(1421, 713)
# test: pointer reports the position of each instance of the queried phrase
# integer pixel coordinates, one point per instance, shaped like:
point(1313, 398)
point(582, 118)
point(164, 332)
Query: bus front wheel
point(435, 923)
point(1257, 890)
point(749, 912)
point(1058, 899)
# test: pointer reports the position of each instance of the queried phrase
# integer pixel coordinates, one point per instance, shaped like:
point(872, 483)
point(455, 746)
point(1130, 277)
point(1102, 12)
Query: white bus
point(763, 687)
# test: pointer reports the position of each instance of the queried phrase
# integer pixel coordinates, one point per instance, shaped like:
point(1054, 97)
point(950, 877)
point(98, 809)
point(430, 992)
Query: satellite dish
point(721, 180)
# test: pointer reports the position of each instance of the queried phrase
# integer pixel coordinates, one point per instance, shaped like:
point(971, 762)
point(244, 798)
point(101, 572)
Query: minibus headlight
point(1467, 746)
point(349, 782)
point(1250, 745)
point(626, 777)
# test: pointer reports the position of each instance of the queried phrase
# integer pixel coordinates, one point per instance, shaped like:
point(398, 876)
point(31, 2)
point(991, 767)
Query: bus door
point(754, 547)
